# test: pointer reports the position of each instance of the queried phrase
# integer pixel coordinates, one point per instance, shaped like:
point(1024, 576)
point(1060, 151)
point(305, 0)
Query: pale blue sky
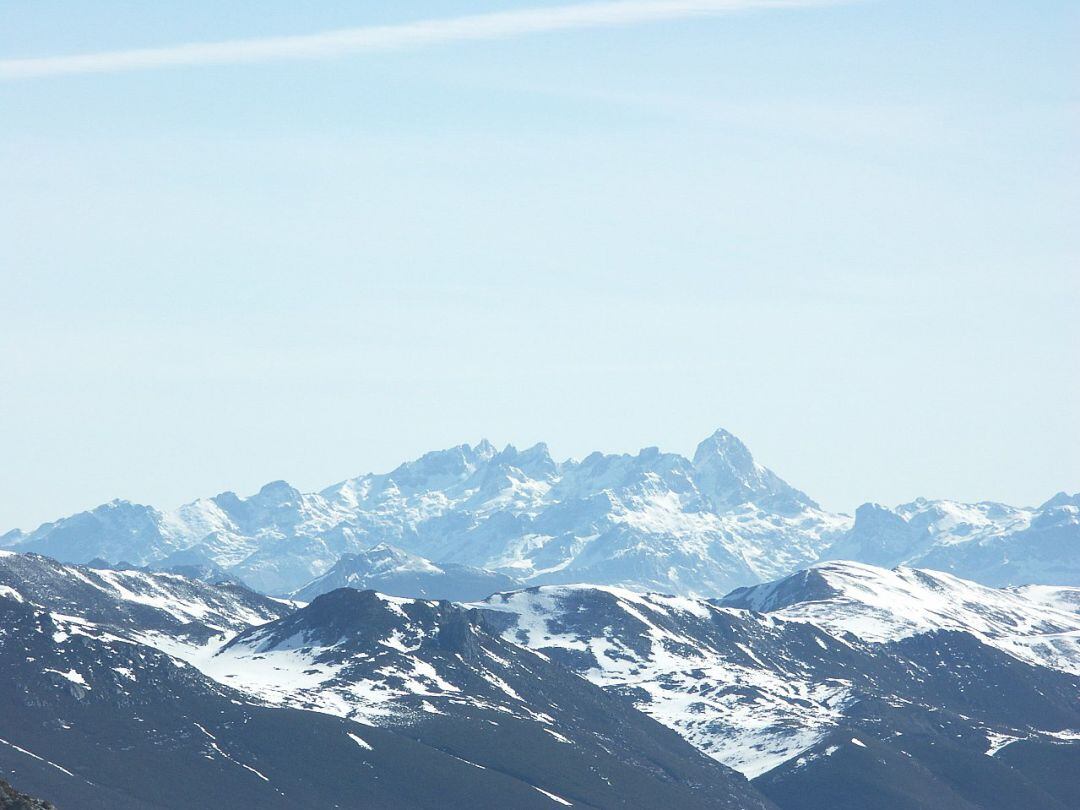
point(848, 234)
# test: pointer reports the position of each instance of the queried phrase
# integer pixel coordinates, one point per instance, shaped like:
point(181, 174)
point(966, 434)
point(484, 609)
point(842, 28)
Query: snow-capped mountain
point(394, 572)
point(748, 692)
point(990, 543)
point(223, 530)
point(649, 521)
point(652, 521)
point(418, 705)
point(134, 603)
point(1033, 623)
point(913, 664)
point(439, 672)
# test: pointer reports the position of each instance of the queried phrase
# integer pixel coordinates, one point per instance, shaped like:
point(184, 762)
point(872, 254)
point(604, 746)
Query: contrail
point(329, 44)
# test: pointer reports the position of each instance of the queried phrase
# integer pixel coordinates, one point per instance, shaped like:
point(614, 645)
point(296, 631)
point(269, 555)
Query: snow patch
point(553, 797)
point(362, 743)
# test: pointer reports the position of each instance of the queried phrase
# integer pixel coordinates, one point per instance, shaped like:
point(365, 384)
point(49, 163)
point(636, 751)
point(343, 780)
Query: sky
point(846, 232)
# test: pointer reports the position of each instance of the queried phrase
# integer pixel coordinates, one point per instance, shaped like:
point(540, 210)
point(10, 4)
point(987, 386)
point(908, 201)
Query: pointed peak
point(484, 449)
point(726, 472)
point(725, 445)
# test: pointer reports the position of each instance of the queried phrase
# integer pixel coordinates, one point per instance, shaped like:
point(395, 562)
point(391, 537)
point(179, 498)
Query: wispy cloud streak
point(330, 44)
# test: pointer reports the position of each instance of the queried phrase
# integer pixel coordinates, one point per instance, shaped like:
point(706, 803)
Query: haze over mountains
point(437, 623)
point(652, 521)
point(496, 621)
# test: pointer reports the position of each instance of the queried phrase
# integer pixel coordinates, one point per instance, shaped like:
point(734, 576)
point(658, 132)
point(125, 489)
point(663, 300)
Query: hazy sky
point(848, 233)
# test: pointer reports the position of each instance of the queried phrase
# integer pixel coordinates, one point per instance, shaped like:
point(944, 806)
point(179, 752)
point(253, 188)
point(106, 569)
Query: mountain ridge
point(542, 691)
point(357, 700)
point(652, 520)
point(608, 517)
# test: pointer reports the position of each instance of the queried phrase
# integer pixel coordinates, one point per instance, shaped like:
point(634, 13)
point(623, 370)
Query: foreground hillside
point(357, 700)
point(856, 685)
point(843, 685)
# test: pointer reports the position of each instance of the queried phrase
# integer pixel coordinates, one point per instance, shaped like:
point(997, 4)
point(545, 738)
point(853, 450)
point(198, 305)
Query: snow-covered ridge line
point(128, 601)
point(881, 605)
point(755, 683)
point(651, 521)
point(755, 690)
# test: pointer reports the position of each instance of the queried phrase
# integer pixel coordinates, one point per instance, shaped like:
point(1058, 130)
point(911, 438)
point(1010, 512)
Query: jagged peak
point(118, 505)
point(538, 451)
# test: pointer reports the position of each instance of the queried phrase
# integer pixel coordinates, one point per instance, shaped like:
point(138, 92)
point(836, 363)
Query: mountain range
point(843, 685)
point(357, 700)
point(492, 628)
point(652, 521)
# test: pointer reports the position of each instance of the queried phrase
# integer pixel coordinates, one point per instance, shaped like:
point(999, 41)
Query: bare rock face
point(11, 799)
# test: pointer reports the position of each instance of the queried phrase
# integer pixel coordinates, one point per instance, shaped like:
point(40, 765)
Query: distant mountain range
point(840, 686)
point(988, 542)
point(651, 521)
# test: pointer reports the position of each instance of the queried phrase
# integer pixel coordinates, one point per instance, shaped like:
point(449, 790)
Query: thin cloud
point(330, 44)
